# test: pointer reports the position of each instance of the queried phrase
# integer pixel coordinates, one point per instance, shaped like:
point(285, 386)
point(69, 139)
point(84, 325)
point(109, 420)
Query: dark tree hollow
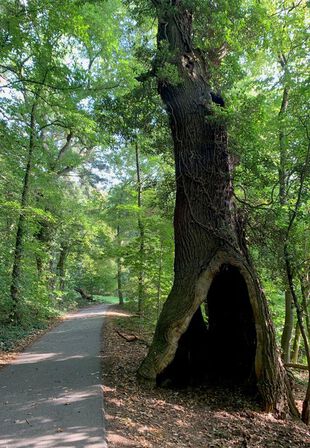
point(219, 344)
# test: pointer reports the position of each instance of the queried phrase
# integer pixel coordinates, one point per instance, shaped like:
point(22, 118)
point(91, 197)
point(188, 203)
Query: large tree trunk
point(211, 261)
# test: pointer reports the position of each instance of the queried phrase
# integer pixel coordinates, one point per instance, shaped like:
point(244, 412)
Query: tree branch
point(65, 147)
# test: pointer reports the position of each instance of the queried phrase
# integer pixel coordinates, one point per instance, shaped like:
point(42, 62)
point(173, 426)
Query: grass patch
point(106, 299)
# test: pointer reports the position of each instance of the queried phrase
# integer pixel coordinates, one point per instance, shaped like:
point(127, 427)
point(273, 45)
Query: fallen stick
point(131, 337)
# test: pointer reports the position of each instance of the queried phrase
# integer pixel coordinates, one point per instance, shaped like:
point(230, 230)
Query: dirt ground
point(196, 418)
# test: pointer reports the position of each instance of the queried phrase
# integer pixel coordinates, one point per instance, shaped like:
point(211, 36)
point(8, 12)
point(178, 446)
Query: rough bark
point(209, 233)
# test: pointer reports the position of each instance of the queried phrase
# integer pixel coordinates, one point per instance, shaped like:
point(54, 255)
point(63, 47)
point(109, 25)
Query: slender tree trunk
point(52, 278)
point(305, 296)
point(141, 233)
point(296, 345)
point(288, 326)
point(39, 265)
point(211, 258)
point(305, 313)
point(160, 270)
point(289, 306)
point(306, 403)
point(119, 269)
point(283, 147)
point(290, 277)
point(43, 236)
point(18, 251)
point(61, 265)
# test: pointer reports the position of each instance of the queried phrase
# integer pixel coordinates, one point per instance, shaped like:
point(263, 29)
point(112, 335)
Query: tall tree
point(49, 69)
point(141, 254)
point(212, 263)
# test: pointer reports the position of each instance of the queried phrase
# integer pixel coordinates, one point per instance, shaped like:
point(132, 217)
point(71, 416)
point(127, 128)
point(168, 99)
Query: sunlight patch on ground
point(73, 436)
point(71, 397)
point(85, 314)
point(118, 440)
point(116, 314)
point(31, 358)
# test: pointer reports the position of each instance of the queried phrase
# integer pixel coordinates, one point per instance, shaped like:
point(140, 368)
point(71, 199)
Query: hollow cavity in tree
point(219, 345)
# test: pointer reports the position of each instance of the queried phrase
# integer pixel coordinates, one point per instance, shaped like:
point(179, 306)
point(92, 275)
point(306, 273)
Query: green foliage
point(11, 335)
point(106, 299)
point(76, 64)
point(53, 59)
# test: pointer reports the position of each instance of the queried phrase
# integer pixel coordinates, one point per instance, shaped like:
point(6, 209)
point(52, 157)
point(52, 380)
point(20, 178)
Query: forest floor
point(191, 418)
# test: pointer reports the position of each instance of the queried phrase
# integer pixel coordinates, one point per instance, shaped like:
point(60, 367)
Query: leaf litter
point(190, 418)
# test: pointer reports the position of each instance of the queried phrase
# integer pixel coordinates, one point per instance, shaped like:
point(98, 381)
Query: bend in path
point(51, 395)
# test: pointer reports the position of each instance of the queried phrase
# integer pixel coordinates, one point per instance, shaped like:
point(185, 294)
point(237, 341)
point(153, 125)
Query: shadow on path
point(51, 395)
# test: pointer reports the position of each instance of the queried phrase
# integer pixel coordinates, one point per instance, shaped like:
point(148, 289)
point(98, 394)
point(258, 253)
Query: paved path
point(50, 396)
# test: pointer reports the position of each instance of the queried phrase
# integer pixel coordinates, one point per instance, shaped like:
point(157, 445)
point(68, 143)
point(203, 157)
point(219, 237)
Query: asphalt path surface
point(51, 396)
